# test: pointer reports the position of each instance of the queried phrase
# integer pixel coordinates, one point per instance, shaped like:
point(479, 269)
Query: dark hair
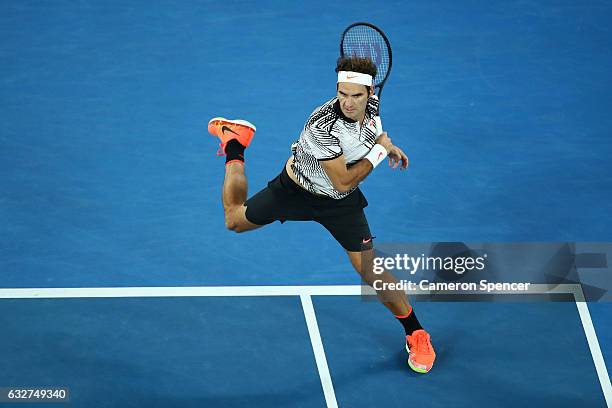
point(363, 65)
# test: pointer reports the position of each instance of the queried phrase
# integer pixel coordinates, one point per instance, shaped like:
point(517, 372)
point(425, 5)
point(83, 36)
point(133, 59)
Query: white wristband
point(376, 155)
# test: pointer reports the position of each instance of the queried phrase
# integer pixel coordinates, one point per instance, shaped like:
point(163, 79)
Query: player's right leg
point(352, 231)
point(421, 354)
point(235, 136)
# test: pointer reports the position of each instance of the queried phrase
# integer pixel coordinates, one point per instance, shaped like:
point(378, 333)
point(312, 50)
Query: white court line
point(591, 335)
point(186, 291)
point(320, 290)
point(319, 352)
point(182, 291)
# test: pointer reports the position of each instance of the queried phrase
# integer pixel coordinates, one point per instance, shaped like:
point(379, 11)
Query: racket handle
point(379, 128)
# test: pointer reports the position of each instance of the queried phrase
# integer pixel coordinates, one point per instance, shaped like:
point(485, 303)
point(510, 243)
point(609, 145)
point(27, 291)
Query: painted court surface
point(109, 181)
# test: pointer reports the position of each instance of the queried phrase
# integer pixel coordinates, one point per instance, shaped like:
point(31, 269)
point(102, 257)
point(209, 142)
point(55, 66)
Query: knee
point(362, 262)
point(232, 225)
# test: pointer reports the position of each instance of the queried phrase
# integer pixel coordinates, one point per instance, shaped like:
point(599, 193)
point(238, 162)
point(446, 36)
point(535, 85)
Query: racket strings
point(364, 41)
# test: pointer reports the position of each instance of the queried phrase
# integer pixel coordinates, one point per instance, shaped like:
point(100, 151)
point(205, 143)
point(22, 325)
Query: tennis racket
point(367, 40)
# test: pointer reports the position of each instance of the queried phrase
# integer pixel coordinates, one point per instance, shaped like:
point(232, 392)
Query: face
point(353, 99)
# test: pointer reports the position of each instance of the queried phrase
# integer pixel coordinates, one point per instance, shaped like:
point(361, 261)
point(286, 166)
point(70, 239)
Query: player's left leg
point(235, 136)
point(234, 196)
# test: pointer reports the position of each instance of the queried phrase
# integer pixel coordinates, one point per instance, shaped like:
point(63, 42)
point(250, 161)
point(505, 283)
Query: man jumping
point(336, 150)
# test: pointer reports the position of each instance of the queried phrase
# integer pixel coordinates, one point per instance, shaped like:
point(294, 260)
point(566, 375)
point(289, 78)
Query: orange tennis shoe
point(421, 354)
point(226, 130)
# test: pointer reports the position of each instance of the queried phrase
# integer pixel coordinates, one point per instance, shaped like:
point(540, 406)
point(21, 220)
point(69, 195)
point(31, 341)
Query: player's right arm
point(345, 178)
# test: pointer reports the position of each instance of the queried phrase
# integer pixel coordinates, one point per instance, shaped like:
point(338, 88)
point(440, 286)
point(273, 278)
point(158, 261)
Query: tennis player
point(336, 150)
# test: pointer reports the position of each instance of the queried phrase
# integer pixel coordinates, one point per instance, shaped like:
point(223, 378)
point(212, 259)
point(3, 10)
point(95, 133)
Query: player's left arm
point(395, 154)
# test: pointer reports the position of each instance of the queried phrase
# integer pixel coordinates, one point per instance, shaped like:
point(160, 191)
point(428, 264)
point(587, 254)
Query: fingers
point(397, 157)
point(394, 160)
point(397, 163)
point(404, 161)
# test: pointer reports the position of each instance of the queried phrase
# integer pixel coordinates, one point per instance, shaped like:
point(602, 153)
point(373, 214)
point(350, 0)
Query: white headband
point(355, 78)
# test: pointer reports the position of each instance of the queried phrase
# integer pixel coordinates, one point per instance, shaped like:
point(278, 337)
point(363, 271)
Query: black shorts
point(283, 200)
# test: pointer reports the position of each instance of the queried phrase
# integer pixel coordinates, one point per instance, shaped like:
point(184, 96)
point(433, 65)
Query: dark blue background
point(108, 176)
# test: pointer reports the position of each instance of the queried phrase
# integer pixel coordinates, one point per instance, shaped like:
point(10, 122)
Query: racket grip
point(379, 128)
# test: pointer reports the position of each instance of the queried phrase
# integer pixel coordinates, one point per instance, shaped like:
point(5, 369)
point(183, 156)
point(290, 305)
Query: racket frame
point(382, 34)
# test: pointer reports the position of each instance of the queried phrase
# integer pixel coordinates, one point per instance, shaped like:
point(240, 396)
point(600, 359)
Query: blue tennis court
point(290, 346)
point(119, 280)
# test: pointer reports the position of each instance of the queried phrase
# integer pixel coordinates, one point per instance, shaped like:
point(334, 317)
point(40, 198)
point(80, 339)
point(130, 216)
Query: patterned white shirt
point(328, 134)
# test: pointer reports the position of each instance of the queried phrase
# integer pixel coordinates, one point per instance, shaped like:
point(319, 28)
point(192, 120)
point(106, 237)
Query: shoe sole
point(240, 122)
point(416, 369)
